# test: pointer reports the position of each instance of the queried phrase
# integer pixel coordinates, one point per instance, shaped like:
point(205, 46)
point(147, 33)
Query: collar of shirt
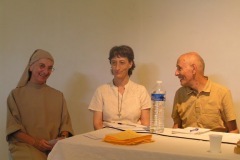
point(126, 86)
point(206, 89)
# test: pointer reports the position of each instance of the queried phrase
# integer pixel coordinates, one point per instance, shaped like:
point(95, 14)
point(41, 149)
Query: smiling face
point(185, 71)
point(41, 70)
point(120, 67)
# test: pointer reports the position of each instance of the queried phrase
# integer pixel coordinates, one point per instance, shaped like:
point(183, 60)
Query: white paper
point(190, 130)
point(126, 126)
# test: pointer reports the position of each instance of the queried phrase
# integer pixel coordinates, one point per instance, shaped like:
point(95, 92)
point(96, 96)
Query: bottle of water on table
point(158, 97)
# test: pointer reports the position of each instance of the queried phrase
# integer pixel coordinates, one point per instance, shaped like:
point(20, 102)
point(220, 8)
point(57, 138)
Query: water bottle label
point(158, 97)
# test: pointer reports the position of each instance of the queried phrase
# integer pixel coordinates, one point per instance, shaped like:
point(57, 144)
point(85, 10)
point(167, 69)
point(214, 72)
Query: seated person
point(201, 102)
point(121, 100)
point(36, 113)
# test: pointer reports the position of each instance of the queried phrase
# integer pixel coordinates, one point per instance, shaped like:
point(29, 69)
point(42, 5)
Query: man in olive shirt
point(201, 102)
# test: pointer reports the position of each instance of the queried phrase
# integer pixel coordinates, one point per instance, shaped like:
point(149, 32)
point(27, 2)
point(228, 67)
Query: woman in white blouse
point(121, 100)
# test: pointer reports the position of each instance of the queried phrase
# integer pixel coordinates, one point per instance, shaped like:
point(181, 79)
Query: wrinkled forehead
point(183, 59)
point(45, 61)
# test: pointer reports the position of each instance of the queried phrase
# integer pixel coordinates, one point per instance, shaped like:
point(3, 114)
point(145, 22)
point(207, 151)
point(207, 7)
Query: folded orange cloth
point(128, 137)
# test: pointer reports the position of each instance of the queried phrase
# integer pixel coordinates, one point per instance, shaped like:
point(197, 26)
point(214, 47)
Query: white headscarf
point(37, 54)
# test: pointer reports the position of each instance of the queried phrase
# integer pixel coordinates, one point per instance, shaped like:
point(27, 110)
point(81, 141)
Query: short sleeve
point(145, 99)
point(13, 116)
point(66, 124)
point(175, 115)
point(228, 108)
point(96, 103)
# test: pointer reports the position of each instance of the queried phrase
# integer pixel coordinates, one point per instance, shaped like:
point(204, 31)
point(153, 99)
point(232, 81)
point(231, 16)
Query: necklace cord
point(119, 106)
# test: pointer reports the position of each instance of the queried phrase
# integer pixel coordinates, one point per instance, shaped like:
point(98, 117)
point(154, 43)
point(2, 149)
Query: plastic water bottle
point(158, 97)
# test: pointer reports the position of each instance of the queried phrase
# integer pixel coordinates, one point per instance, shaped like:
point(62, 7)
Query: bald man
point(201, 102)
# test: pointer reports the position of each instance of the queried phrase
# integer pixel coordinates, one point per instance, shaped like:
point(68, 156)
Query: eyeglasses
point(43, 66)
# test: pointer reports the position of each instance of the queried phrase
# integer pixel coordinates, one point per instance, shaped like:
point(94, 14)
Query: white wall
point(80, 33)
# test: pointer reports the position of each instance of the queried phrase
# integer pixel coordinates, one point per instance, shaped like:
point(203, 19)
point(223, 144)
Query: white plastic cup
point(215, 143)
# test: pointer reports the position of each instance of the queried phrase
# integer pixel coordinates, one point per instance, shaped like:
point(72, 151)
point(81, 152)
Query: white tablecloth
point(89, 146)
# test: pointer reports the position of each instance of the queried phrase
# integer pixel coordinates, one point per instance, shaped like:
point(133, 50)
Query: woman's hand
point(42, 145)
